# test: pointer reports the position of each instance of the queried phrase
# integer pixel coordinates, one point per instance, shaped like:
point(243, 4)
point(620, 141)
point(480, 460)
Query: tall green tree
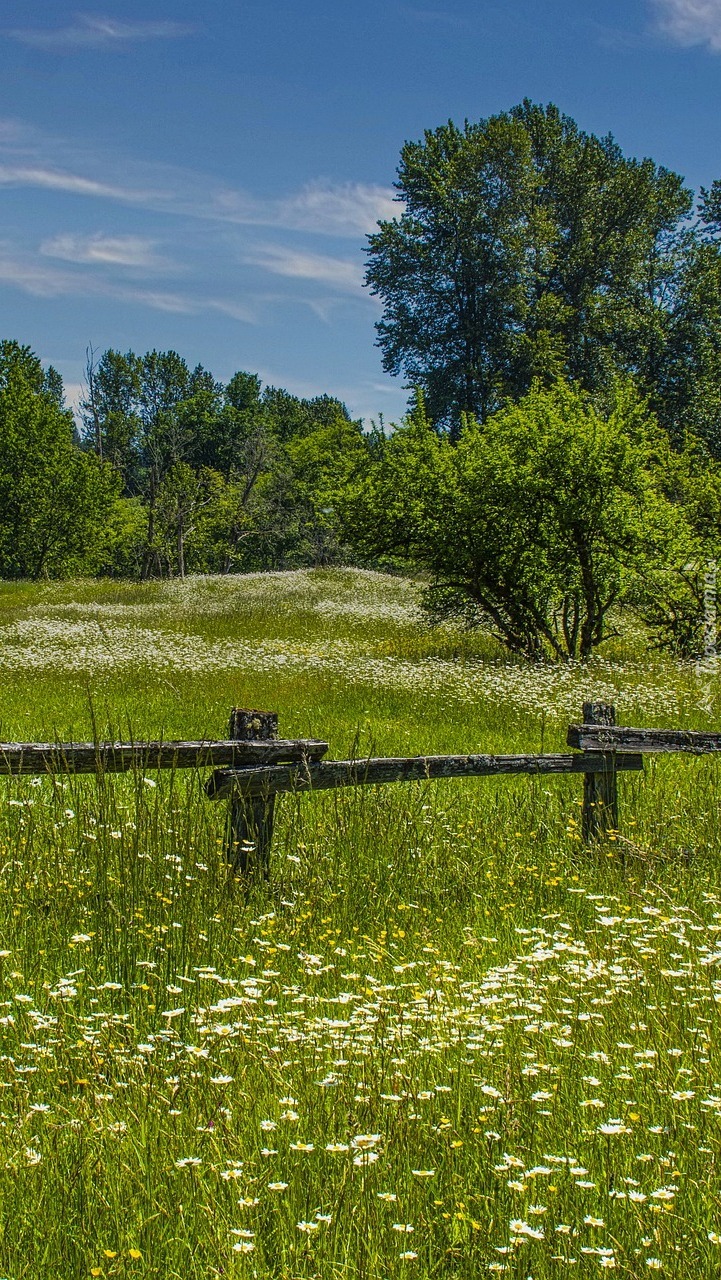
point(526, 249)
point(686, 388)
point(55, 499)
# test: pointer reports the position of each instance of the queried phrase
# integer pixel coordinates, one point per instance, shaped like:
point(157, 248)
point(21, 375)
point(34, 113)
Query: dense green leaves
point(676, 598)
point(686, 384)
point(528, 249)
point(228, 477)
point(538, 521)
point(54, 499)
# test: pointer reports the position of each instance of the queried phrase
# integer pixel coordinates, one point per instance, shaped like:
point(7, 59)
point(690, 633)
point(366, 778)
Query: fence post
point(600, 790)
point(250, 822)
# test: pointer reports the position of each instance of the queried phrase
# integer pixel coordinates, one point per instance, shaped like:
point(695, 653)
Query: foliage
point(322, 464)
point(230, 477)
point(685, 381)
point(54, 499)
point(538, 521)
point(529, 249)
point(677, 599)
point(124, 540)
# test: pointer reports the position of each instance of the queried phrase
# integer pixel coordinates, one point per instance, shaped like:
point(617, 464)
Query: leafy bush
point(539, 521)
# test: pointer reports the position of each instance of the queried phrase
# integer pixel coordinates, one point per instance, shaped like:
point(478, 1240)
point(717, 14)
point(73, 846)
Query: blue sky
point(202, 176)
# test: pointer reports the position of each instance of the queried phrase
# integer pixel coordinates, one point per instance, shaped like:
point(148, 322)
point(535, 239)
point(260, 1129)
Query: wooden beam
point(591, 737)
point(34, 758)
point(322, 776)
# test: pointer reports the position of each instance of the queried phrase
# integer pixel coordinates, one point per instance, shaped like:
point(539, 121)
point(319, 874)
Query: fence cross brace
point(253, 791)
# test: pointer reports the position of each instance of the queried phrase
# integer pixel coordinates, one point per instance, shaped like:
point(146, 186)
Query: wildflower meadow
point(445, 1040)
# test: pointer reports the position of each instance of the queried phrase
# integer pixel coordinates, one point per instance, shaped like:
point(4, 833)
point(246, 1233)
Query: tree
point(292, 417)
point(111, 414)
point(54, 498)
point(673, 598)
point(527, 249)
point(220, 472)
point(182, 496)
point(21, 361)
point(322, 464)
point(686, 389)
point(131, 418)
point(537, 523)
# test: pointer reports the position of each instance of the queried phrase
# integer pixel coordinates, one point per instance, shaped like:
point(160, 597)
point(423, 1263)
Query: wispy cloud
point(690, 22)
point(18, 175)
point(347, 209)
point(90, 31)
point(344, 209)
point(104, 250)
point(203, 237)
point(35, 277)
point(14, 132)
point(341, 273)
point(337, 209)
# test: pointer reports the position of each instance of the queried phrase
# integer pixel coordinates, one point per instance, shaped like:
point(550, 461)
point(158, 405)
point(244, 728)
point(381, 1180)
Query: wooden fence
point(253, 766)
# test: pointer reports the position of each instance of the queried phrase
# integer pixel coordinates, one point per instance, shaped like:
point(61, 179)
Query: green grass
point(443, 1013)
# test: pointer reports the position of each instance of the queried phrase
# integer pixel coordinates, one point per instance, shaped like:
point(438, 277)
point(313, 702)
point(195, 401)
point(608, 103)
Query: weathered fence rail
point(33, 758)
point(270, 781)
point(591, 737)
point(253, 766)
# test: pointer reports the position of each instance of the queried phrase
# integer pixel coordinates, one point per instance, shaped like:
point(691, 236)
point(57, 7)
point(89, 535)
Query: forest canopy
point(168, 472)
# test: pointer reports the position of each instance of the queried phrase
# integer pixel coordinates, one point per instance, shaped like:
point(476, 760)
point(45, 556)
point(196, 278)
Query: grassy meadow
point(445, 1040)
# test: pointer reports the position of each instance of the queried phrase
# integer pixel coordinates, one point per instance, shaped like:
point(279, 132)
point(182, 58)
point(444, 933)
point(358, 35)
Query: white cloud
point(12, 175)
point(89, 31)
point(326, 208)
point(342, 209)
point(43, 281)
point(96, 265)
point(102, 250)
point(690, 22)
point(341, 273)
point(348, 209)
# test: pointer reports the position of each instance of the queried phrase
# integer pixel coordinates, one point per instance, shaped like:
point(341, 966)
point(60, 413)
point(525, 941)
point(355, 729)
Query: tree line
point(169, 471)
point(555, 307)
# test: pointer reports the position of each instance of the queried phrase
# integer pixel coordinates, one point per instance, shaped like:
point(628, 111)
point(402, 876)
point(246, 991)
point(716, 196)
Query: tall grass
point(446, 1040)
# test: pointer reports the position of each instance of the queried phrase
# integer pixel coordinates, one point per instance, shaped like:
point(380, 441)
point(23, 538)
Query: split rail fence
point(253, 766)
